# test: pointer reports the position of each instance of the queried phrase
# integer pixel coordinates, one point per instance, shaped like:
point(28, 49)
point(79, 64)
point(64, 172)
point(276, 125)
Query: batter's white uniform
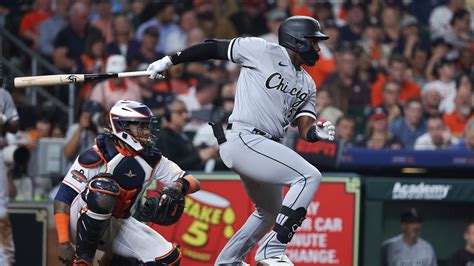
point(270, 95)
point(125, 237)
point(7, 250)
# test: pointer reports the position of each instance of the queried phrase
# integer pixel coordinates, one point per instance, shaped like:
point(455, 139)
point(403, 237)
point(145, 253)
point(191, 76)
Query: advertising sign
point(328, 235)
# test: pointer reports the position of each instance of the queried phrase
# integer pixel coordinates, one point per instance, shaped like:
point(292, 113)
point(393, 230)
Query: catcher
point(103, 188)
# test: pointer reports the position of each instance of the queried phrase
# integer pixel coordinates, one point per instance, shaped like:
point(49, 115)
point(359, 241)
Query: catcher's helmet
point(295, 33)
point(124, 112)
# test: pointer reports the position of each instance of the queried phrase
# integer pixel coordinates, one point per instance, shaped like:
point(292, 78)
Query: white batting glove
point(159, 66)
point(325, 130)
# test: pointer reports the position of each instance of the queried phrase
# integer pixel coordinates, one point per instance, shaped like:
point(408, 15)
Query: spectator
point(465, 256)
point(327, 61)
point(437, 137)
point(307, 8)
point(135, 12)
point(441, 16)
point(466, 59)
point(104, 21)
point(408, 248)
point(378, 136)
point(201, 97)
point(344, 85)
point(397, 66)
point(49, 28)
point(176, 81)
point(175, 145)
point(445, 84)
point(9, 122)
point(431, 99)
point(162, 22)
point(248, 20)
point(324, 108)
point(177, 41)
point(94, 56)
point(71, 41)
point(204, 134)
point(467, 143)
point(31, 21)
point(345, 129)
point(418, 62)
point(81, 135)
point(391, 102)
point(410, 38)
point(456, 121)
point(213, 26)
point(123, 42)
point(460, 35)
point(352, 31)
point(391, 25)
point(372, 44)
point(110, 91)
point(274, 19)
point(147, 52)
point(412, 125)
point(154, 99)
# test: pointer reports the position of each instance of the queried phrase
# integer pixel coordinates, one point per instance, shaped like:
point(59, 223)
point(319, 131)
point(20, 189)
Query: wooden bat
point(52, 80)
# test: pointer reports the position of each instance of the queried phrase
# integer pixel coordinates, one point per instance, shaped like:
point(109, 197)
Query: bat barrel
point(48, 80)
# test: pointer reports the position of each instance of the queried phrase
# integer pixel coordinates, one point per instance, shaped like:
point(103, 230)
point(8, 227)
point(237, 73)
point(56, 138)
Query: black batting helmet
point(295, 33)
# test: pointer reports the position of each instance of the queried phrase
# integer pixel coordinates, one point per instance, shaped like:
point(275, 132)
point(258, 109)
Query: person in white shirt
point(274, 19)
point(445, 84)
point(437, 137)
point(440, 17)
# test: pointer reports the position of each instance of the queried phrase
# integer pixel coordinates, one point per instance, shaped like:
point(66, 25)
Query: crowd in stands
point(393, 75)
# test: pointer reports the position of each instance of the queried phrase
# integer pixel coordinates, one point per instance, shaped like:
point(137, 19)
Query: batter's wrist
point(312, 135)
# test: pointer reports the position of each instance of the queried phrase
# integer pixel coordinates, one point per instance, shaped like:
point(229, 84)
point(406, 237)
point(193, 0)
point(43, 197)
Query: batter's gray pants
point(265, 167)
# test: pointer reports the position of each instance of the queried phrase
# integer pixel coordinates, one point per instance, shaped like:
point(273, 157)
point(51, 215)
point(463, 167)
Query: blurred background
point(395, 77)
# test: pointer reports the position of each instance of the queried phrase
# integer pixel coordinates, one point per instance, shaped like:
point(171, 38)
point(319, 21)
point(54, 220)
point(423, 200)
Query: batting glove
point(159, 66)
point(325, 130)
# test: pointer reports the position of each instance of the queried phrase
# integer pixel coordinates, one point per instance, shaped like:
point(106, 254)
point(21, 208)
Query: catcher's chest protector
point(131, 173)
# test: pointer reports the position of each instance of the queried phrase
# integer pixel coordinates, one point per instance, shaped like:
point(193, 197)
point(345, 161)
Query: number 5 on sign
point(196, 235)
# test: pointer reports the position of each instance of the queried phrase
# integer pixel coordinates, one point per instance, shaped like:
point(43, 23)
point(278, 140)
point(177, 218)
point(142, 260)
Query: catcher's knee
point(286, 231)
point(102, 192)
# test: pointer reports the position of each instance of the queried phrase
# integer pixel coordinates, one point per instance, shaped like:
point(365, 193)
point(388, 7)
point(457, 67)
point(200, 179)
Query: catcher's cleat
point(281, 260)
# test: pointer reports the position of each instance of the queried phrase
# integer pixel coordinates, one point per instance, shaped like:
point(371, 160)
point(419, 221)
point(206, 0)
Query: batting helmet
point(296, 33)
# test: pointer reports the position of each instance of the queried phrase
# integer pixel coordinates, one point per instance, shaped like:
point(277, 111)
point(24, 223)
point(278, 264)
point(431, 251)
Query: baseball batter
point(273, 91)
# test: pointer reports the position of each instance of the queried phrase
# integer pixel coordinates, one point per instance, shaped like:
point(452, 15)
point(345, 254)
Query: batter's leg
point(7, 249)
point(267, 199)
point(269, 162)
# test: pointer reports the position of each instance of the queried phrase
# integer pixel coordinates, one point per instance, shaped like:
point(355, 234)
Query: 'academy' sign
point(420, 191)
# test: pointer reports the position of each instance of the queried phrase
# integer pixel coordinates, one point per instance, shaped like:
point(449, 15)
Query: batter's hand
point(66, 253)
point(159, 66)
point(325, 130)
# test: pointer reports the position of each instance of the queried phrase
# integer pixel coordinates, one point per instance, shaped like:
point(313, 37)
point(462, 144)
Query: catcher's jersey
point(133, 174)
point(271, 93)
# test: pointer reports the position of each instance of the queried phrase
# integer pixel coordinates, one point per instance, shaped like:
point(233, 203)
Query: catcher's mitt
point(165, 208)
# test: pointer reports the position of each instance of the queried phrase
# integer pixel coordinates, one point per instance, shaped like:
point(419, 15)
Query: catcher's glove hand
point(165, 208)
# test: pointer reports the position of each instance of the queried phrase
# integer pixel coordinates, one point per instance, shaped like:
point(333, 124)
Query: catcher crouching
point(103, 188)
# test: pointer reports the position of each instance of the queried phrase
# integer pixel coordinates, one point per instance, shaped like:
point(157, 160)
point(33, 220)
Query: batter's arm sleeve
point(211, 49)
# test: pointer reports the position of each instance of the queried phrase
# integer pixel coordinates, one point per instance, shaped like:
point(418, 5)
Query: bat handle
point(134, 74)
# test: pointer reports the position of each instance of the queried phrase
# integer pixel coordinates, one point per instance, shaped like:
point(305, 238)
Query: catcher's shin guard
point(100, 197)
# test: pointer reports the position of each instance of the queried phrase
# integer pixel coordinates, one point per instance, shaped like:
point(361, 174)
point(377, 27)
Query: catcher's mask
point(134, 123)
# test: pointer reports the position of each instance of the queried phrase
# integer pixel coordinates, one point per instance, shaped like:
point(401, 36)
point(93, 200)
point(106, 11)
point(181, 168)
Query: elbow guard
point(312, 135)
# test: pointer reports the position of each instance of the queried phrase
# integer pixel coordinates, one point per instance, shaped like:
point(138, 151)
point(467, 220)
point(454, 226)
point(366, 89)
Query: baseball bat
point(52, 80)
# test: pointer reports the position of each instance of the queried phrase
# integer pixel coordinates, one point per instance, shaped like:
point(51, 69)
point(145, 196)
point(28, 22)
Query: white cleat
point(281, 260)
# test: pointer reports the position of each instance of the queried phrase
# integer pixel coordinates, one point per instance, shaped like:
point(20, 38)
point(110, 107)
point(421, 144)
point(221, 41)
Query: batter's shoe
point(281, 260)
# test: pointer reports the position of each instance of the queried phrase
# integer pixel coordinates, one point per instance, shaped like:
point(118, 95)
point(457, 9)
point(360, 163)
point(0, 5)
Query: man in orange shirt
point(456, 121)
point(30, 22)
point(397, 66)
